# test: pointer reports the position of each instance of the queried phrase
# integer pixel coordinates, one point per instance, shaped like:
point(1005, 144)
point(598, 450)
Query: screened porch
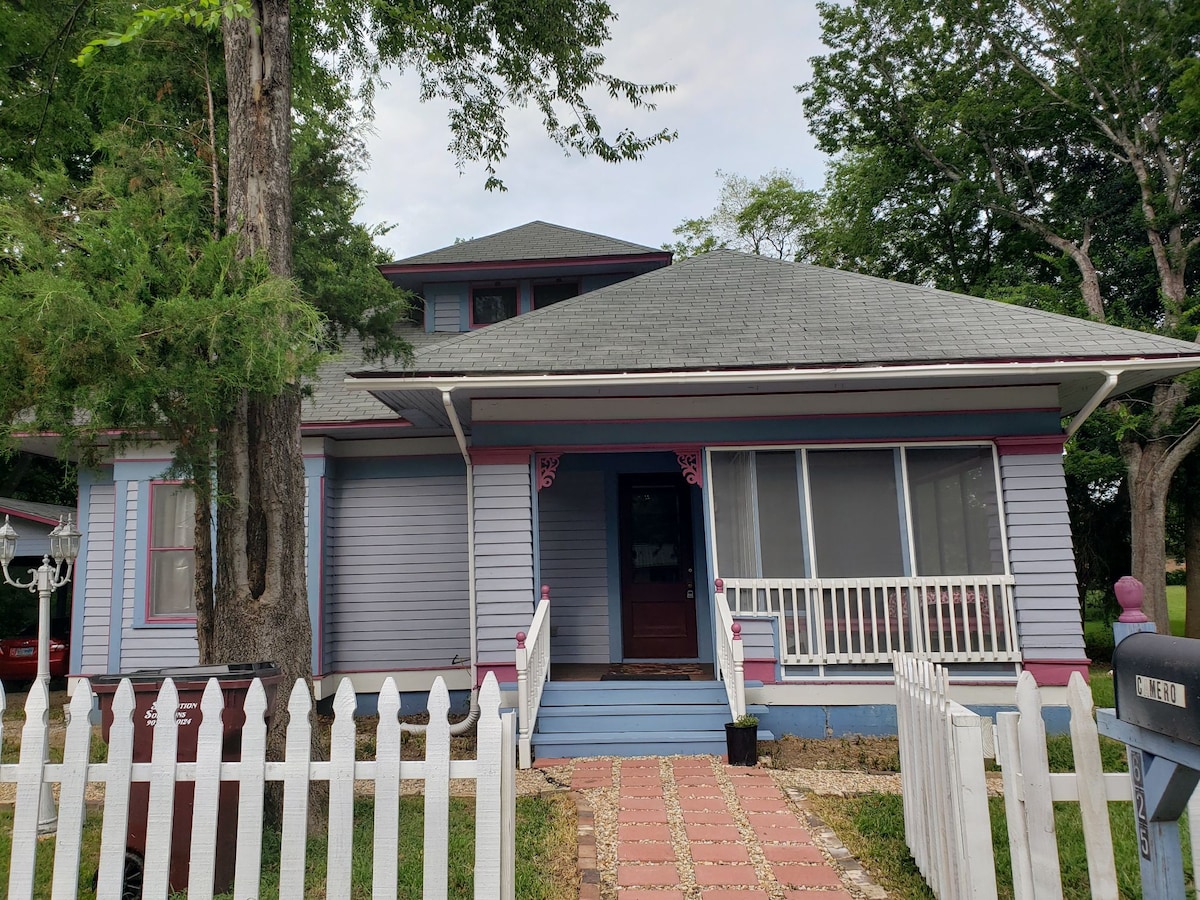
point(860, 551)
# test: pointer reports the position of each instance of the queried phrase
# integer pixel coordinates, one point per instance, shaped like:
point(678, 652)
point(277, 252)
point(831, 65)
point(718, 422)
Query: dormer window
point(492, 304)
point(548, 294)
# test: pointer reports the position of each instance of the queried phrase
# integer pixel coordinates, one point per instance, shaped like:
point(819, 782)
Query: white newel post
point(739, 670)
point(524, 739)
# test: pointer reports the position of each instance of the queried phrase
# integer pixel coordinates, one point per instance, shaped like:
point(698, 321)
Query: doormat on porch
point(656, 672)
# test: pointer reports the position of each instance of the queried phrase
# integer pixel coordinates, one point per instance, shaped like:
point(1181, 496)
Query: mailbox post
point(1157, 685)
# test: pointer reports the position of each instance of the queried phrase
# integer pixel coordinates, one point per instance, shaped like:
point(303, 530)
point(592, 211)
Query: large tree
point(772, 215)
point(481, 57)
point(1044, 113)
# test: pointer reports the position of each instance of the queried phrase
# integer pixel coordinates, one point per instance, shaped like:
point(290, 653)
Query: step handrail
point(731, 654)
point(533, 671)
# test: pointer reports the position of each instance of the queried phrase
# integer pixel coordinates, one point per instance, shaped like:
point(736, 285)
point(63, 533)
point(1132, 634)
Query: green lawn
point(872, 827)
point(1176, 603)
point(546, 852)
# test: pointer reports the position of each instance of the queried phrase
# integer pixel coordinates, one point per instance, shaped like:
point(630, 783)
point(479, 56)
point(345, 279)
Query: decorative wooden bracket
point(547, 468)
point(689, 464)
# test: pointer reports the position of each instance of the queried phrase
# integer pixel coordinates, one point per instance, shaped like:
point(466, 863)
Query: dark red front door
point(658, 587)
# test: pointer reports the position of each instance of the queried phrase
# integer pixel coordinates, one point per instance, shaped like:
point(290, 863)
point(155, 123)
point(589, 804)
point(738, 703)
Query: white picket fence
point(942, 745)
point(946, 820)
point(493, 771)
point(1030, 790)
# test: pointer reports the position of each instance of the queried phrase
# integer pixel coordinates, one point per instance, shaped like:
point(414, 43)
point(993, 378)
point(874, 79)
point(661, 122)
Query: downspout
point(1110, 384)
point(473, 716)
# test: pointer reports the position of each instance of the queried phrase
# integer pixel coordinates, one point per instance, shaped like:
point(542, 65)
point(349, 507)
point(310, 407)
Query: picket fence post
point(944, 791)
point(388, 740)
point(251, 790)
point(1093, 797)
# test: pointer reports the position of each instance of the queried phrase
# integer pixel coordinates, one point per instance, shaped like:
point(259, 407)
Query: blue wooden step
point(633, 718)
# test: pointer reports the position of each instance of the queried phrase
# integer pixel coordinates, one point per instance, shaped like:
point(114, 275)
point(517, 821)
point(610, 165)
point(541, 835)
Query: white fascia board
point(1166, 365)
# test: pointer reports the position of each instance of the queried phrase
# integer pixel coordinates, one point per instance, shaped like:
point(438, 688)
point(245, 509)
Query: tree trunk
point(259, 605)
point(1149, 483)
point(1191, 549)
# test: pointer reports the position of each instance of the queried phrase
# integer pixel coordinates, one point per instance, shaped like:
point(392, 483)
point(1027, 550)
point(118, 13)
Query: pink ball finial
point(520, 640)
point(720, 583)
point(545, 592)
point(737, 631)
point(1131, 594)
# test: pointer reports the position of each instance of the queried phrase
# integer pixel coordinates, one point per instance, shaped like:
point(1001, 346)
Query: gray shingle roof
point(731, 310)
point(332, 402)
point(536, 240)
point(30, 509)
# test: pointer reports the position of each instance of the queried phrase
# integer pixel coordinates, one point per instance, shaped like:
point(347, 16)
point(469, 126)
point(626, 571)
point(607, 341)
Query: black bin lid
point(226, 672)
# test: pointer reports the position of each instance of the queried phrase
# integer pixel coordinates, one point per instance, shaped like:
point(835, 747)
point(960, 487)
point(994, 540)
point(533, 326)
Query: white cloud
point(734, 65)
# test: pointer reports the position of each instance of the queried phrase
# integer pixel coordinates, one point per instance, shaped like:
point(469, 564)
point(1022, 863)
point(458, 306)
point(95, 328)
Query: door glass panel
point(655, 527)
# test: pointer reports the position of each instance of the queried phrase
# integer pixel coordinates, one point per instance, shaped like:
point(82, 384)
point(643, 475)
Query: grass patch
point(545, 846)
point(872, 827)
point(1177, 607)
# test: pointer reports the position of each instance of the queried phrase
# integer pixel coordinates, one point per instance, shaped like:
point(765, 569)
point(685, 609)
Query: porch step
point(634, 718)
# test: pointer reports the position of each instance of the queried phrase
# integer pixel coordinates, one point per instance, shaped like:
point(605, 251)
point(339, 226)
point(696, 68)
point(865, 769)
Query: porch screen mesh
point(955, 514)
point(734, 502)
point(856, 515)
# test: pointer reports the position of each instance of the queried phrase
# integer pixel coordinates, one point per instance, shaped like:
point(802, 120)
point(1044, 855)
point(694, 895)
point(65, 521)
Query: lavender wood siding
point(328, 533)
point(96, 593)
point(504, 589)
point(758, 637)
point(1040, 553)
point(573, 548)
point(397, 564)
point(447, 311)
point(149, 647)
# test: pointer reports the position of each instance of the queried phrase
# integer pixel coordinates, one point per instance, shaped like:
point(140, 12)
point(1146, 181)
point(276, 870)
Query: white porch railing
point(835, 621)
point(533, 671)
point(731, 656)
point(492, 770)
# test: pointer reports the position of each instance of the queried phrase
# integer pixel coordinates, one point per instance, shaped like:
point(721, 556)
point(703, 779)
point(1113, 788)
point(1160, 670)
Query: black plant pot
point(741, 742)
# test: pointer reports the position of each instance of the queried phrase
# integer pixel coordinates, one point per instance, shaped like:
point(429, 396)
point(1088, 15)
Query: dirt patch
point(862, 754)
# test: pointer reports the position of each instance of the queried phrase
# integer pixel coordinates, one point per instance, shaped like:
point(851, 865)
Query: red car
point(18, 655)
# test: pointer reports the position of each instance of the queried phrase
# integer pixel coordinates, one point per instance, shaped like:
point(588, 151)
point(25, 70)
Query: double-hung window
point(170, 592)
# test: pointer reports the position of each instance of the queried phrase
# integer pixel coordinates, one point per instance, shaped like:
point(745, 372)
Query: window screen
point(856, 514)
point(955, 513)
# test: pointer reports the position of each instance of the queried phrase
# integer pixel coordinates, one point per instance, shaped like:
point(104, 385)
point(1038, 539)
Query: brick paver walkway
point(696, 829)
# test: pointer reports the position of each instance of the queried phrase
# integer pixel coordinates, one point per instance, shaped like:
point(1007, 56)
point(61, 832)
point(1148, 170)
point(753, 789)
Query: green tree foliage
point(131, 317)
point(772, 215)
point(1071, 122)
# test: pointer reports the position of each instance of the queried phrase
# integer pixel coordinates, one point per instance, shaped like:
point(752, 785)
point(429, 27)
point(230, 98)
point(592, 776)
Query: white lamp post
point(44, 581)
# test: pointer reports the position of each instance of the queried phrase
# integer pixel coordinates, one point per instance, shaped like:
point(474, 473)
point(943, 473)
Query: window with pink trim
point(170, 592)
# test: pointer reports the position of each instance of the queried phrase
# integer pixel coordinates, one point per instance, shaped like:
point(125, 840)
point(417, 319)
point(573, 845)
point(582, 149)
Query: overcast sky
point(734, 64)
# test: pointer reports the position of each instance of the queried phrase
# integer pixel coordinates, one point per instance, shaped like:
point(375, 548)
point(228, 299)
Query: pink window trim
point(151, 618)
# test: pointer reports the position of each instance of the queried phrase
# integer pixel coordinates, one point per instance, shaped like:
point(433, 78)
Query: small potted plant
point(741, 741)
